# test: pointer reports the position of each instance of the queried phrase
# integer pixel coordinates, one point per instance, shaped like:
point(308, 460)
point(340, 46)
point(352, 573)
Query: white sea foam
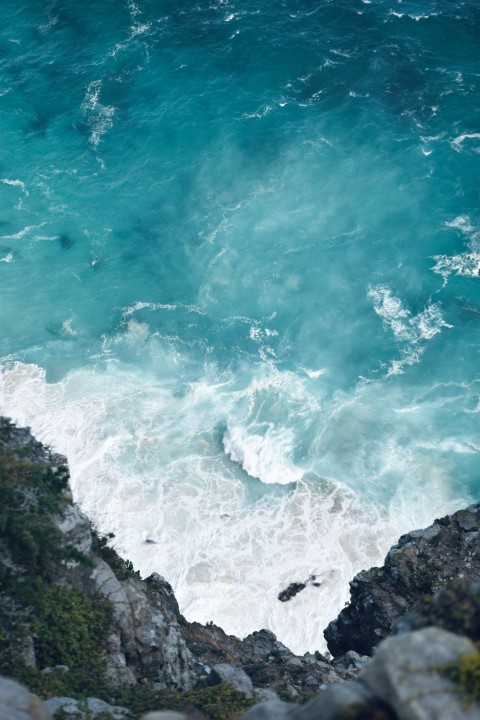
point(16, 183)
point(266, 456)
point(412, 16)
point(260, 113)
point(98, 116)
point(141, 305)
point(457, 143)
point(147, 463)
point(314, 373)
point(8, 258)
point(467, 263)
point(461, 223)
point(411, 331)
point(22, 233)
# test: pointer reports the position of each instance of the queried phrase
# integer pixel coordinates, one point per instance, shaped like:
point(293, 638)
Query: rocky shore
point(421, 563)
point(83, 631)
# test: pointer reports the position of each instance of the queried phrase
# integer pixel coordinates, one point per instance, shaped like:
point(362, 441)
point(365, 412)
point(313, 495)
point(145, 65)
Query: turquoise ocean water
point(239, 281)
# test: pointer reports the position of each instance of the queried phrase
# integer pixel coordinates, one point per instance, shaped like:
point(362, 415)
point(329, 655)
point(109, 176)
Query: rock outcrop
point(409, 678)
point(426, 597)
point(268, 662)
point(421, 563)
point(144, 641)
point(148, 640)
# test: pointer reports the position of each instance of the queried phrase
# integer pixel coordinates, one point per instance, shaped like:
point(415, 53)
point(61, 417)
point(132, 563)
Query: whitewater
point(239, 282)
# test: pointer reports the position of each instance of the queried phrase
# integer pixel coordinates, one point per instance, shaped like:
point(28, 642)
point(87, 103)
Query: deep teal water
point(239, 281)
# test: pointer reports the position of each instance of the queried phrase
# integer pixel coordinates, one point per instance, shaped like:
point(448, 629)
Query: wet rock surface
point(421, 563)
point(295, 587)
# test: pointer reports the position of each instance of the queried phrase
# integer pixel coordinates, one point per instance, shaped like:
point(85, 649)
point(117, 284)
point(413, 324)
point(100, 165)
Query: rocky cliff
point(420, 564)
point(81, 629)
point(78, 619)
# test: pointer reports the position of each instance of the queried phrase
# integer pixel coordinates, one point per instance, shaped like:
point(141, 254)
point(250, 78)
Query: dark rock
point(66, 242)
point(267, 662)
point(295, 587)
point(455, 608)
point(421, 563)
point(351, 659)
point(290, 592)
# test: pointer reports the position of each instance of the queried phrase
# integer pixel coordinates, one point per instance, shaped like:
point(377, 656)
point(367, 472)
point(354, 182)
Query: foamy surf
point(149, 465)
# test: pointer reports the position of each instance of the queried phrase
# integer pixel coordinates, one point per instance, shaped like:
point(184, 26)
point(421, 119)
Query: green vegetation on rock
point(53, 637)
point(69, 629)
point(123, 569)
point(61, 624)
point(219, 702)
point(466, 674)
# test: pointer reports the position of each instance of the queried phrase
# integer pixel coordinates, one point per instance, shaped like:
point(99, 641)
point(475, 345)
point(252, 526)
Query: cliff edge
point(82, 630)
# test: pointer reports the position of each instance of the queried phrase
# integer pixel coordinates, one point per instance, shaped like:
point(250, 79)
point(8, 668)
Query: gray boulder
point(91, 708)
point(75, 527)
point(345, 700)
point(266, 695)
point(16, 703)
point(407, 673)
point(270, 710)
point(233, 676)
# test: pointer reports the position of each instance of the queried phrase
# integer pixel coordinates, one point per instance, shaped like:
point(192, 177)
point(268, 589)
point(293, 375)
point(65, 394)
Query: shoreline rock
point(423, 596)
point(420, 564)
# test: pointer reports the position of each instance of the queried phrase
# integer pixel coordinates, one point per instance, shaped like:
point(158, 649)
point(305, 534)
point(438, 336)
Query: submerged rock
point(66, 242)
point(295, 587)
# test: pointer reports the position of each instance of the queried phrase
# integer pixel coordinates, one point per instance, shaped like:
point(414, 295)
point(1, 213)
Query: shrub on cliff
point(39, 621)
point(123, 569)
